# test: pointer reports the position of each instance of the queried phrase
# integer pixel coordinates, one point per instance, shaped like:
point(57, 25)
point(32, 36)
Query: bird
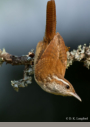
point(51, 59)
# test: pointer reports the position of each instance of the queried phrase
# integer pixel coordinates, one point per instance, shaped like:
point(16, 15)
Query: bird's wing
point(47, 61)
point(52, 60)
point(62, 61)
point(63, 50)
point(56, 50)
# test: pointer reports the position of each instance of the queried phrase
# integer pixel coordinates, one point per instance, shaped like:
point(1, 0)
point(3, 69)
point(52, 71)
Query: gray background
point(22, 26)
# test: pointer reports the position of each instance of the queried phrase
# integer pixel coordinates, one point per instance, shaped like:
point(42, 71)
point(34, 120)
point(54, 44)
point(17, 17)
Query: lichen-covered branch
point(27, 60)
point(81, 54)
point(27, 79)
point(16, 60)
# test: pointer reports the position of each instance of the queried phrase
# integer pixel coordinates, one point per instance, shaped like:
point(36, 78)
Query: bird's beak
point(75, 95)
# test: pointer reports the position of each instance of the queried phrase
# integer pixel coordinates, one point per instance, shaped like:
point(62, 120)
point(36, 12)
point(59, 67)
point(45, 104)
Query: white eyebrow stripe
point(60, 80)
point(49, 78)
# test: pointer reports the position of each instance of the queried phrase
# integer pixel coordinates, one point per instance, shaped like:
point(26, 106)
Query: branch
point(81, 54)
point(16, 60)
point(27, 79)
point(27, 60)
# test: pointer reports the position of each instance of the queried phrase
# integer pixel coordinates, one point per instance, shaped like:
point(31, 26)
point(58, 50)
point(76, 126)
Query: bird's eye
point(67, 86)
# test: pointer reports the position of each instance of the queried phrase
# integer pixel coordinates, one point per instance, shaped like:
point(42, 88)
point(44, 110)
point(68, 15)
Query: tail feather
point(50, 20)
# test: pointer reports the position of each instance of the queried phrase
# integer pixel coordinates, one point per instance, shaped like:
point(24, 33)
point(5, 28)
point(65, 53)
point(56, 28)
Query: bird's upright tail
point(50, 21)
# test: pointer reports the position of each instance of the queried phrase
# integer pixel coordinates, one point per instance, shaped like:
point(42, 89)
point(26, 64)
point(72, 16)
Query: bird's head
point(61, 86)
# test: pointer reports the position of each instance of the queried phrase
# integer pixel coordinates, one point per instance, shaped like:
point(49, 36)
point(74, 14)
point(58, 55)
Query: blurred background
point(22, 26)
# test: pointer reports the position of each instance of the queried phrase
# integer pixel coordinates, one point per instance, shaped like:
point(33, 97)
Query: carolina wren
point(51, 59)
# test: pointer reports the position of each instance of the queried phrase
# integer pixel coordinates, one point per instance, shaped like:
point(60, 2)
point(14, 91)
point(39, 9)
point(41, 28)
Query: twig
point(27, 79)
point(26, 60)
point(16, 60)
point(81, 54)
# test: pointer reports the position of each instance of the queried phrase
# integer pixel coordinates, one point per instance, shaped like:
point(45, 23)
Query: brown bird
point(51, 59)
